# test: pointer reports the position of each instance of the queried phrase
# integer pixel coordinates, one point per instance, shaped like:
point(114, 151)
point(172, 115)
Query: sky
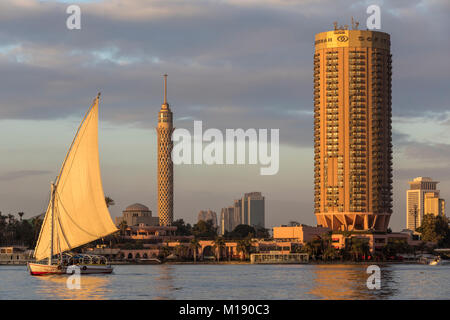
point(231, 64)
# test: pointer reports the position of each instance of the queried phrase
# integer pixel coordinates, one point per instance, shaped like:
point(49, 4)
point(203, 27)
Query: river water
point(398, 281)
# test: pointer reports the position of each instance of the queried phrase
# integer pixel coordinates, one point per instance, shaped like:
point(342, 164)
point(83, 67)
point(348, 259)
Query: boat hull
point(149, 261)
point(37, 269)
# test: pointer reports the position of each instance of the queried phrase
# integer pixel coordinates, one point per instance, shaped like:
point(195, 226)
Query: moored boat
point(86, 264)
point(436, 262)
point(149, 261)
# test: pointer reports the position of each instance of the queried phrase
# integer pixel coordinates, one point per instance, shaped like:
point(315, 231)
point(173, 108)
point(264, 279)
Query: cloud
point(254, 52)
point(13, 175)
point(439, 173)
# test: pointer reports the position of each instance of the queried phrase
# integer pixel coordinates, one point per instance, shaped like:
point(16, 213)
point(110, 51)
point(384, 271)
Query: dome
point(137, 207)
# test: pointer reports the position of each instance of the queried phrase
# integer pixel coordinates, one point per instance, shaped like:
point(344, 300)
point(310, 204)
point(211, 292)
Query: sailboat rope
point(65, 210)
point(62, 230)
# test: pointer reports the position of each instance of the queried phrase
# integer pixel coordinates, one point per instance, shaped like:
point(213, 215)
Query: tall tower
point(352, 130)
point(165, 164)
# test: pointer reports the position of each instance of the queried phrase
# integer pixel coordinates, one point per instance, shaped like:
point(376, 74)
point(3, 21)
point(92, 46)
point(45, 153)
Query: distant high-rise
point(208, 215)
point(352, 130)
point(253, 209)
point(422, 198)
point(227, 220)
point(248, 210)
point(165, 164)
point(237, 214)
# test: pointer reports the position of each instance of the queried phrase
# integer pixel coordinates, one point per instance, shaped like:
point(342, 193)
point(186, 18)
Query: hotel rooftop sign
point(352, 38)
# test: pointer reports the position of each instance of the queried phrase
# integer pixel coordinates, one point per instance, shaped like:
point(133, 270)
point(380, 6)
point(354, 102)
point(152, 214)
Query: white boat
point(77, 212)
point(149, 261)
point(436, 262)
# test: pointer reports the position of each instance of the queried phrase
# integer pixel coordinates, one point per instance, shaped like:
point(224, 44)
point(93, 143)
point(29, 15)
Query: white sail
point(80, 215)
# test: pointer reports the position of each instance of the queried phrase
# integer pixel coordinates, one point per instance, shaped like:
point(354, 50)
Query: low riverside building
point(376, 241)
point(136, 254)
point(182, 248)
point(302, 233)
point(15, 255)
point(143, 232)
point(278, 257)
point(156, 233)
point(231, 250)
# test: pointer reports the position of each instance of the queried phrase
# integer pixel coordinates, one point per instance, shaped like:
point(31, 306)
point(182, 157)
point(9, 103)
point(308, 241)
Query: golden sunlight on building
point(352, 130)
point(422, 198)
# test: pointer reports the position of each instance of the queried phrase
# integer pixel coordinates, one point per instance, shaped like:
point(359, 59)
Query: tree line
point(19, 231)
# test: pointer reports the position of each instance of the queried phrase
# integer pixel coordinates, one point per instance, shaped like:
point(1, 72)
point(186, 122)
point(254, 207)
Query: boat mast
point(51, 223)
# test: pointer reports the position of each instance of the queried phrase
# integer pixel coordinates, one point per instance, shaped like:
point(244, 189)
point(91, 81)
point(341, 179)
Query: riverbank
point(238, 262)
point(234, 262)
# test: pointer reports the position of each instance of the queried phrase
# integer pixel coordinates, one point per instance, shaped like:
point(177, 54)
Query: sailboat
point(77, 213)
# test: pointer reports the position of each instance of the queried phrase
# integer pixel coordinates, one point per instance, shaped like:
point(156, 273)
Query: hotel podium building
point(352, 130)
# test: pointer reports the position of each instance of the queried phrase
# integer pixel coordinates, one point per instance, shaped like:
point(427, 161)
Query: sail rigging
point(79, 214)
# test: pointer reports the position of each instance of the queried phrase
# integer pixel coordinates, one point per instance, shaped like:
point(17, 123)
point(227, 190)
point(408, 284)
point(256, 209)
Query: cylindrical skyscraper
point(352, 130)
point(165, 164)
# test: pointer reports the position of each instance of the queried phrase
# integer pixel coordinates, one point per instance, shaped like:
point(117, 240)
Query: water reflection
point(234, 282)
point(164, 283)
point(55, 287)
point(346, 282)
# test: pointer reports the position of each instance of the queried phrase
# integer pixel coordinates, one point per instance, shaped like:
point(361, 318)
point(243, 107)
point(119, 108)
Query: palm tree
point(243, 246)
point(355, 249)
point(314, 247)
point(109, 202)
point(240, 248)
point(307, 248)
point(165, 251)
point(219, 244)
point(346, 234)
point(359, 247)
point(365, 248)
point(330, 253)
point(122, 227)
point(194, 246)
point(180, 251)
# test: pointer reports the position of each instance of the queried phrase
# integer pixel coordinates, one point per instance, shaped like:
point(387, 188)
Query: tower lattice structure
point(165, 164)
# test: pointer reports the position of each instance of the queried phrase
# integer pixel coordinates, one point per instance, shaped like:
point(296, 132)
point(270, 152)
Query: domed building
point(137, 214)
